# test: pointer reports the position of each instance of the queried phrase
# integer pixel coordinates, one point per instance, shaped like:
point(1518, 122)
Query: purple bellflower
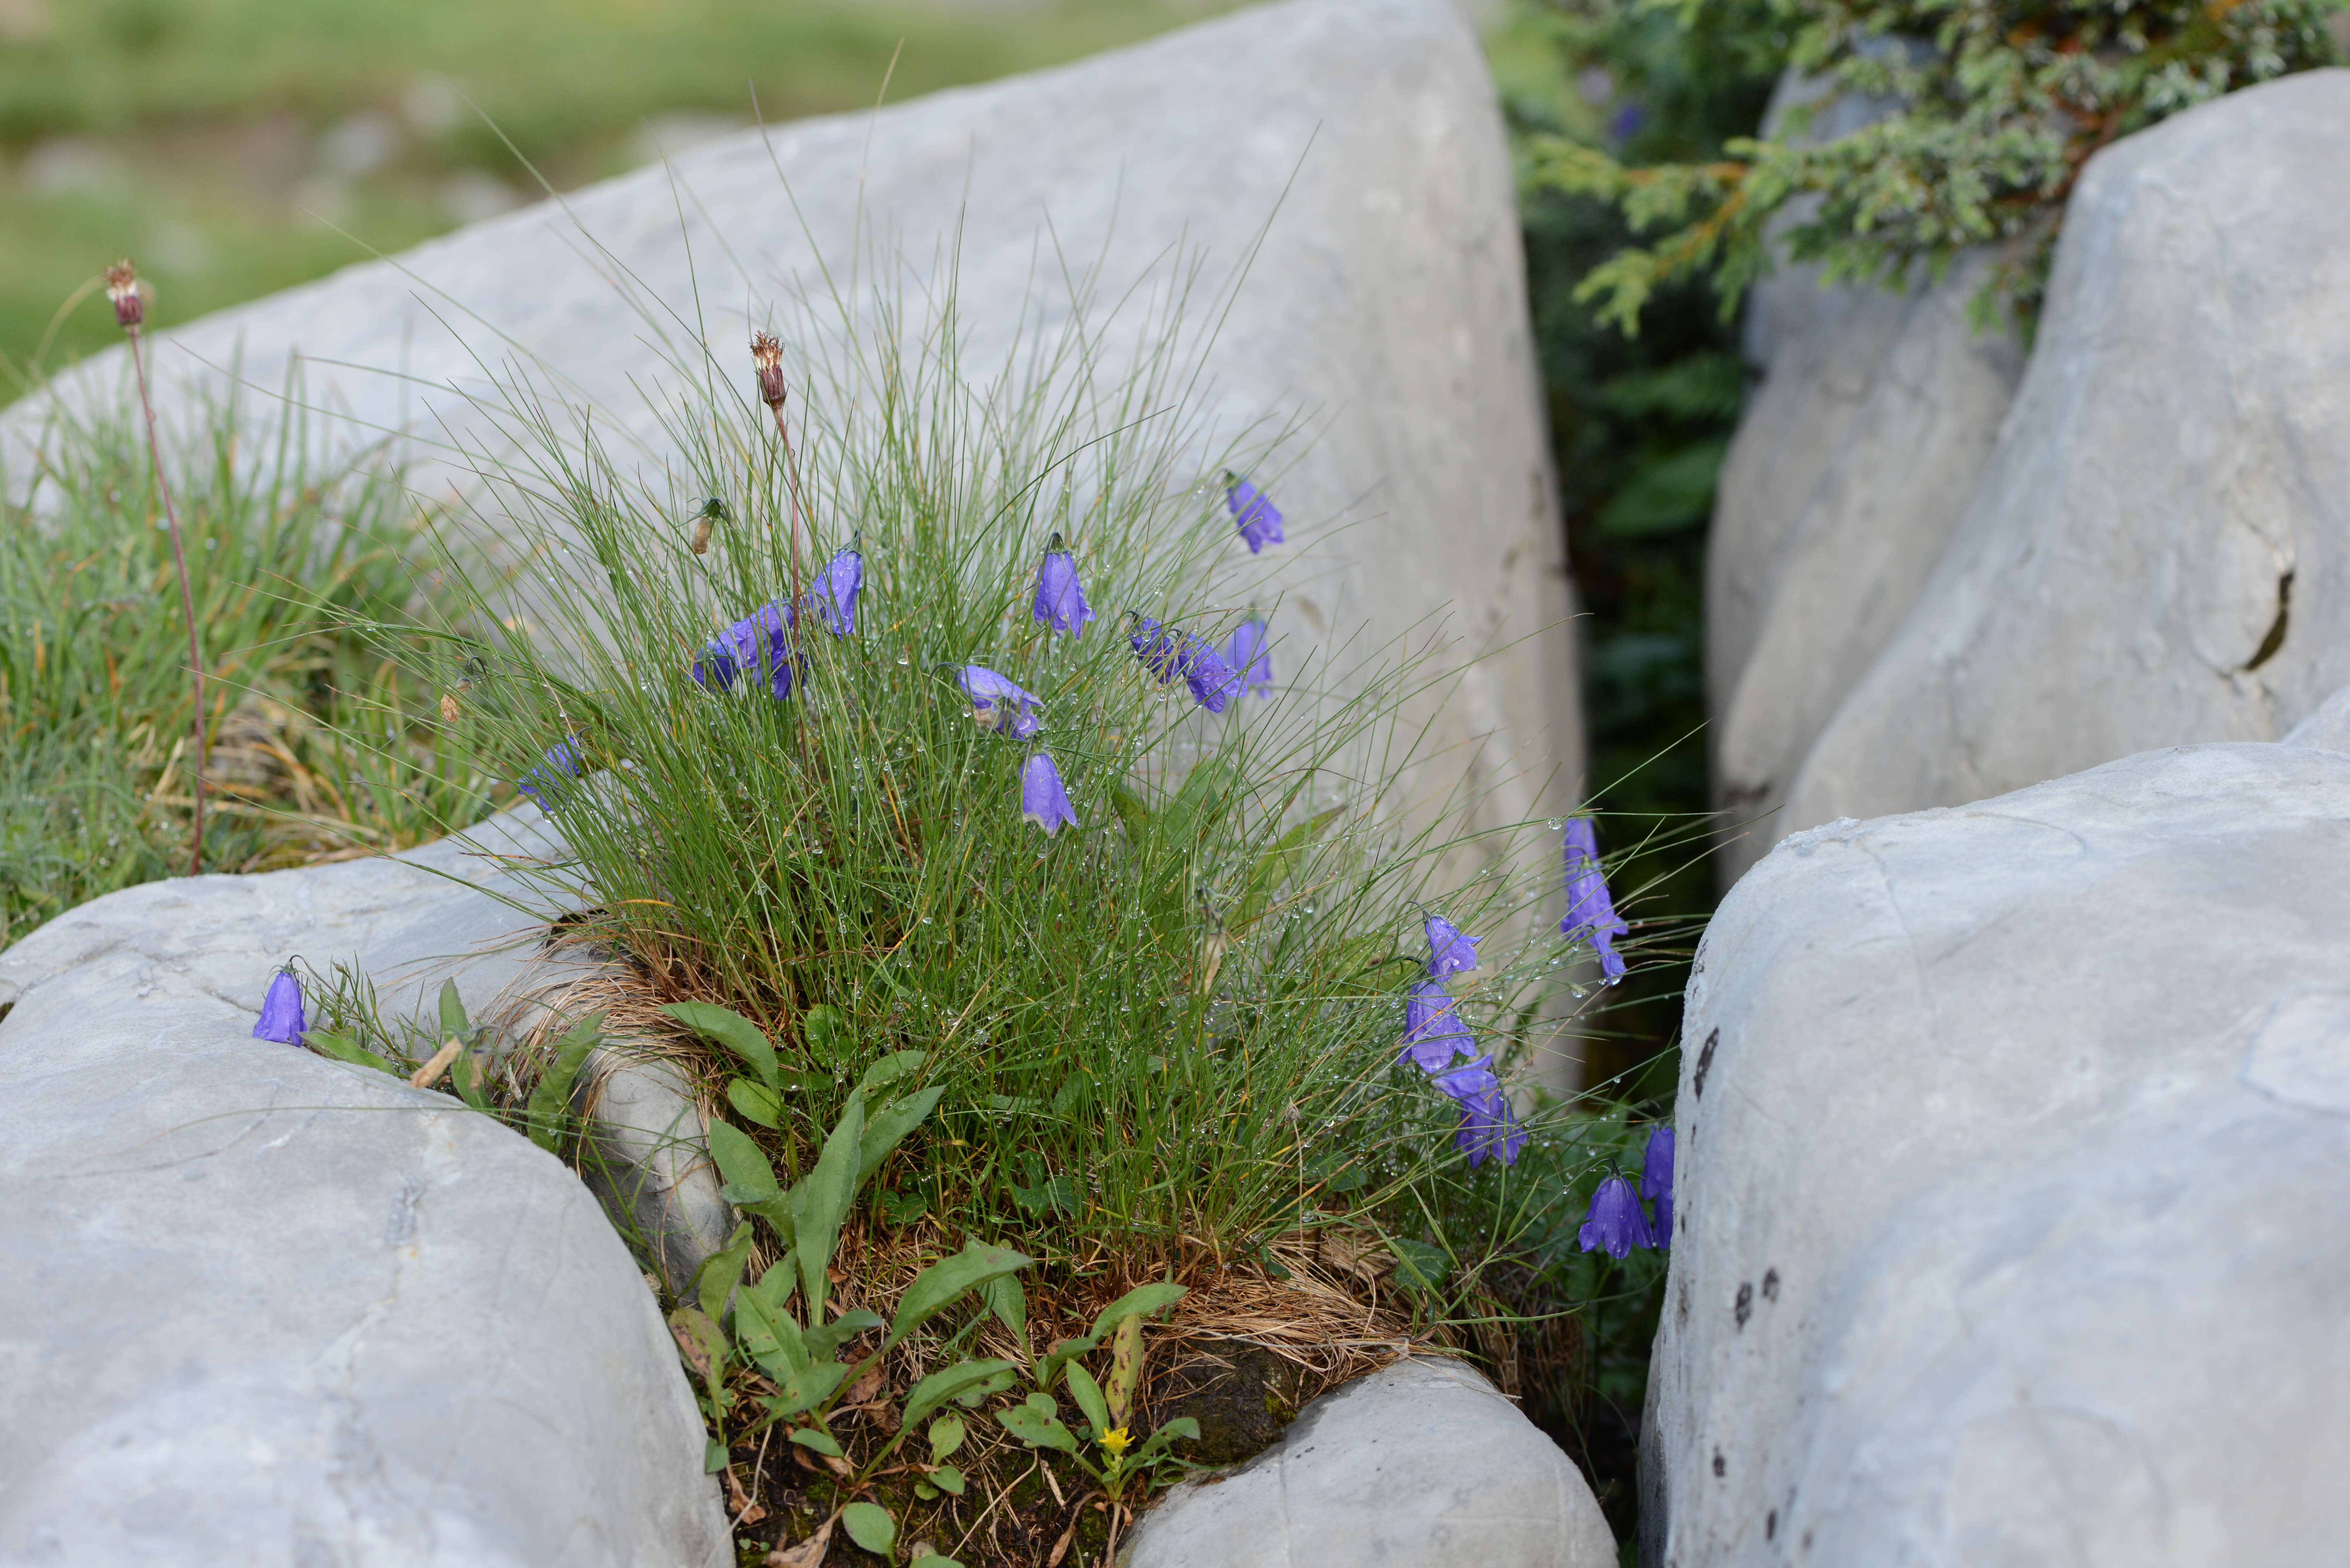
point(1248, 655)
point(1466, 1084)
point(1042, 801)
point(545, 784)
point(281, 1012)
point(1656, 1181)
point(1212, 681)
point(1060, 597)
point(1259, 519)
point(998, 704)
point(1488, 1127)
point(1615, 1224)
point(834, 599)
point(1432, 1033)
point(1168, 652)
point(1448, 952)
point(760, 641)
point(1590, 912)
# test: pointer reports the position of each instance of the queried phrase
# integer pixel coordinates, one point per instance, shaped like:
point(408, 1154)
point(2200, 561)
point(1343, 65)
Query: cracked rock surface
point(2160, 550)
point(1421, 1465)
point(2012, 1147)
point(264, 1308)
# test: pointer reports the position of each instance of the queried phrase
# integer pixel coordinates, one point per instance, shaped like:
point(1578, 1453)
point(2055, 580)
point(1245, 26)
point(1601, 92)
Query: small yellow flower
point(1116, 1441)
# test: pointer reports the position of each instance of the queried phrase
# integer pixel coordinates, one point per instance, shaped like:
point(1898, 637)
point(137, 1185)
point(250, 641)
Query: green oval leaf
point(870, 1527)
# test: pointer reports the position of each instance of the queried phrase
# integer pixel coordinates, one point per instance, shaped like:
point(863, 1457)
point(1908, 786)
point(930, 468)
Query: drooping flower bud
point(1615, 1224)
point(767, 359)
point(547, 783)
point(1448, 952)
point(998, 704)
point(1590, 911)
point(281, 1010)
point(124, 292)
point(1656, 1181)
point(760, 642)
point(1258, 518)
point(837, 591)
point(1060, 597)
point(1432, 1031)
point(1042, 801)
point(1247, 654)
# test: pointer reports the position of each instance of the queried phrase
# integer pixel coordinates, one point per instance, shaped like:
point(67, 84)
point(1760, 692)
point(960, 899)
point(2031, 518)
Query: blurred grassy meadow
point(237, 147)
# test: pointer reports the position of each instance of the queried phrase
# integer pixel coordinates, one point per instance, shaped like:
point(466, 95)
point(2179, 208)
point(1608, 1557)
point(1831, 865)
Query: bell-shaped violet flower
point(760, 641)
point(1259, 519)
point(836, 589)
point(1247, 654)
point(1615, 1224)
point(1156, 647)
point(1168, 652)
point(1590, 912)
point(999, 704)
point(1488, 1127)
point(1060, 597)
point(1042, 801)
point(1433, 1032)
point(1656, 1181)
point(1466, 1084)
point(545, 784)
point(1448, 952)
point(281, 1010)
point(1212, 681)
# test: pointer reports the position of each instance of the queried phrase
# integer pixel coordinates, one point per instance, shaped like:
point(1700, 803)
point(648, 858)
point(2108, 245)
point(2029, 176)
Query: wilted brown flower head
point(122, 292)
point(767, 359)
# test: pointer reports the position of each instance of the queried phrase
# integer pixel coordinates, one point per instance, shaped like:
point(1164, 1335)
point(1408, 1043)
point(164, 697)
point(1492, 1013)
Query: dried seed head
point(767, 359)
point(450, 710)
point(124, 292)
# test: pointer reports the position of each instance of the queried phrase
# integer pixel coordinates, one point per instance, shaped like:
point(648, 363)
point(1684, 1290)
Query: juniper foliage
point(1989, 110)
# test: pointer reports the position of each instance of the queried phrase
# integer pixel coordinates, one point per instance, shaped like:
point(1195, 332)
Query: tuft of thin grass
point(316, 751)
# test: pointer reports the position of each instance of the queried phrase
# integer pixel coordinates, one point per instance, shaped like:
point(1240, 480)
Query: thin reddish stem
point(791, 477)
point(187, 601)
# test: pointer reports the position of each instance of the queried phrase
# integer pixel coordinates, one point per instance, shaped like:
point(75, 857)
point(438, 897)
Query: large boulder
point(1422, 1465)
point(2012, 1145)
point(2159, 552)
point(262, 1307)
point(1339, 166)
point(1820, 542)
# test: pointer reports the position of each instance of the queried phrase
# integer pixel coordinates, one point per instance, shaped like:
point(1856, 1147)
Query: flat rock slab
point(2014, 1146)
point(1421, 1464)
point(264, 1308)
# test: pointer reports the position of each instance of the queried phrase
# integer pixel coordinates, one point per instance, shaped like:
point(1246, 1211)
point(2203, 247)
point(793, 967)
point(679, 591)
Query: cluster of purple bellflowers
point(1434, 1036)
point(762, 644)
point(1616, 1223)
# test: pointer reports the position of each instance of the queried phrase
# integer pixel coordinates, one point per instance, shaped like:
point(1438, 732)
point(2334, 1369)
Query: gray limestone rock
point(2159, 552)
point(2012, 1145)
point(1820, 539)
point(1421, 1464)
point(1873, 422)
point(266, 1308)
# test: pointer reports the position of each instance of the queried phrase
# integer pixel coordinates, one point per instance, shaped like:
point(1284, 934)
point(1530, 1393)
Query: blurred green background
point(224, 143)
